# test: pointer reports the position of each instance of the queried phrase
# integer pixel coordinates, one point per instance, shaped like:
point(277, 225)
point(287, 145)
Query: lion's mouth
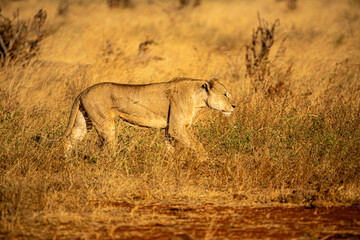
point(226, 114)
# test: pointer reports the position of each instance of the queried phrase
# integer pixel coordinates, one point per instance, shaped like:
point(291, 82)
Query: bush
point(118, 3)
point(18, 38)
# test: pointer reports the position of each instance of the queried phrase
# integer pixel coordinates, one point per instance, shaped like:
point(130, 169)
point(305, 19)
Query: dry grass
point(300, 147)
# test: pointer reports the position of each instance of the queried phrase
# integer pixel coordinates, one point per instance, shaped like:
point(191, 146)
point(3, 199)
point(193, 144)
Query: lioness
point(167, 105)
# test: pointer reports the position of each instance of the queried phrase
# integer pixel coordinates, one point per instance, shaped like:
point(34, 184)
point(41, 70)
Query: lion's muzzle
point(228, 113)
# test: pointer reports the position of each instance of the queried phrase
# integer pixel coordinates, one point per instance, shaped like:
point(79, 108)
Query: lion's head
point(218, 98)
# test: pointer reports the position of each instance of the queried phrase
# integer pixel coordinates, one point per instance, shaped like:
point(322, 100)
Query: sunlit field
point(292, 140)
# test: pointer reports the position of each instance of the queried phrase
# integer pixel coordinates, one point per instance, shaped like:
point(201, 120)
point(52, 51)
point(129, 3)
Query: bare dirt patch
point(121, 220)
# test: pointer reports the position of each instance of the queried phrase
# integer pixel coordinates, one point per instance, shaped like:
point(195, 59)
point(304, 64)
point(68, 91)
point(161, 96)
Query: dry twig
point(257, 53)
point(118, 3)
point(258, 65)
point(19, 39)
point(185, 3)
point(143, 55)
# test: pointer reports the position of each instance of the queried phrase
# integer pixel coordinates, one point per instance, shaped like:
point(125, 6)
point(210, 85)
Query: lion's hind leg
point(169, 142)
point(81, 126)
point(105, 127)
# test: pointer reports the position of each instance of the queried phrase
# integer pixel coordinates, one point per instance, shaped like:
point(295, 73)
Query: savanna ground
point(284, 165)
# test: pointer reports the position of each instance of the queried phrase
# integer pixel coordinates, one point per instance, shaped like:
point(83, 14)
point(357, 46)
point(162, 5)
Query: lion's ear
point(212, 82)
point(206, 86)
point(209, 84)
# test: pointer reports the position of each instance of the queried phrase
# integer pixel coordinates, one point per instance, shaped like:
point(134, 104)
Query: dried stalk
point(15, 41)
point(257, 54)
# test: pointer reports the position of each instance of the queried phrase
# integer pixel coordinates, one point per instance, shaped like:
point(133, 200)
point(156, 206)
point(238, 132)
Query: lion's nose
point(233, 105)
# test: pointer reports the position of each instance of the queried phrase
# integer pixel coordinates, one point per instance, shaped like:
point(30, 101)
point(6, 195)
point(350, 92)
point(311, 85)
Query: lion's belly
point(142, 117)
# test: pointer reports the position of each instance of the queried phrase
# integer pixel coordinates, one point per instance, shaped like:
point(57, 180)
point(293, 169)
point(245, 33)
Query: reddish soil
point(181, 222)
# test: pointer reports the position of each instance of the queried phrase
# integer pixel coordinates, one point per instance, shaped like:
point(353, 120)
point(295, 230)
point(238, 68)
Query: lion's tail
point(72, 118)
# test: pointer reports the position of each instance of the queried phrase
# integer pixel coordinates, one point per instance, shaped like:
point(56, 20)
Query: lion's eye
point(225, 95)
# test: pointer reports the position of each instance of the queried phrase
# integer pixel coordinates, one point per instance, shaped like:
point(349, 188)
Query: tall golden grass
point(301, 146)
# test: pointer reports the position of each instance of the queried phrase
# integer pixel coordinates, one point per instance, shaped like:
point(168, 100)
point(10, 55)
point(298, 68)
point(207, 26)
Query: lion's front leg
point(180, 117)
point(182, 135)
